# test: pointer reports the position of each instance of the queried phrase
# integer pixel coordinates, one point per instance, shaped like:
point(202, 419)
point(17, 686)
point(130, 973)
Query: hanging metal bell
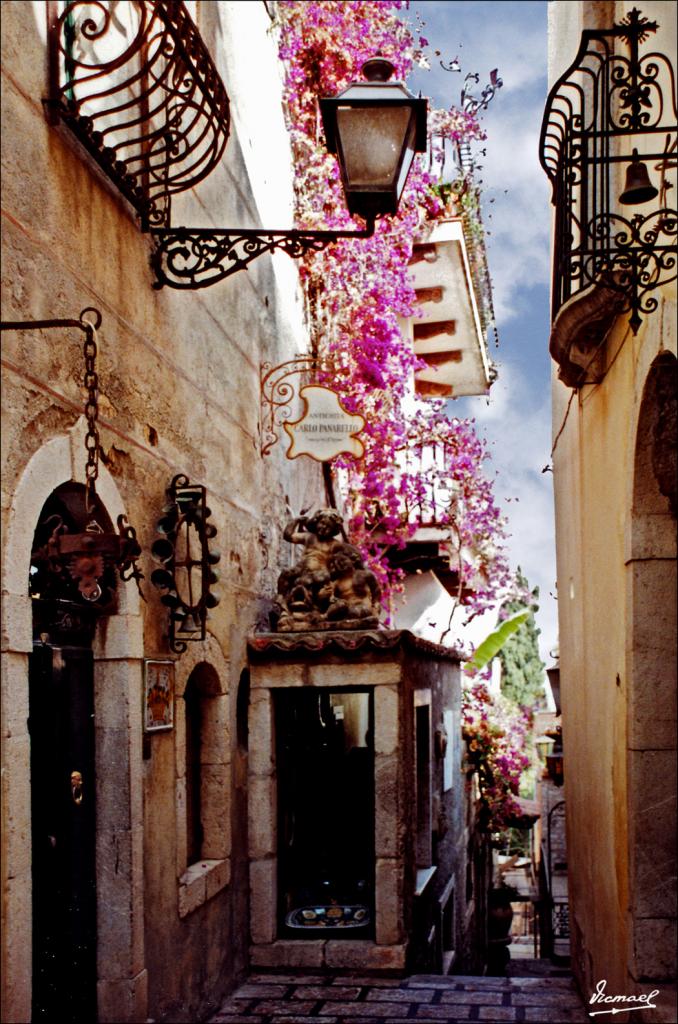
point(639, 188)
point(190, 624)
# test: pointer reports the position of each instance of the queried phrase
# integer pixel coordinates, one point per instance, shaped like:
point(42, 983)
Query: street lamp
point(375, 127)
point(544, 745)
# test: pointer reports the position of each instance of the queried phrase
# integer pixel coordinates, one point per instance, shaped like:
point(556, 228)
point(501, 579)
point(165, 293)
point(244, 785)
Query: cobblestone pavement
point(426, 999)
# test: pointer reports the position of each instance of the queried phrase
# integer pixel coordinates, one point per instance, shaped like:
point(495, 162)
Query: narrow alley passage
point(427, 999)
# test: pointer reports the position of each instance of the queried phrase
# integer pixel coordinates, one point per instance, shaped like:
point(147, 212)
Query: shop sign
point(326, 428)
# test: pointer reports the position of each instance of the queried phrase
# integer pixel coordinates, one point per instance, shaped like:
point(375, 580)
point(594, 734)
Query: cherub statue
point(353, 592)
point(317, 534)
point(329, 586)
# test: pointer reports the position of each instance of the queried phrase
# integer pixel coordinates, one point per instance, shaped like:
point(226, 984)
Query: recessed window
point(203, 815)
point(194, 724)
point(325, 813)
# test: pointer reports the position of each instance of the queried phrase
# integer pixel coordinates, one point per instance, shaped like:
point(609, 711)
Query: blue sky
point(511, 37)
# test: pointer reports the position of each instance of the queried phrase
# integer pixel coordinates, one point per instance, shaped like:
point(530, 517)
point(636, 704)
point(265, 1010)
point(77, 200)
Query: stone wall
point(179, 392)
point(612, 626)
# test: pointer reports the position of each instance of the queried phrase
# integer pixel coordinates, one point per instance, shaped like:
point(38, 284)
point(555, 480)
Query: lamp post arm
point(190, 258)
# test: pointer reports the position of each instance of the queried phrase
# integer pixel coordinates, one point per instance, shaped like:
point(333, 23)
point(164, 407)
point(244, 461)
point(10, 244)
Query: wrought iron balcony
point(137, 87)
point(604, 105)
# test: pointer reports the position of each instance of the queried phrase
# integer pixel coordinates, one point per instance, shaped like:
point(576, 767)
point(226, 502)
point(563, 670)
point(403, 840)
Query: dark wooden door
point(61, 725)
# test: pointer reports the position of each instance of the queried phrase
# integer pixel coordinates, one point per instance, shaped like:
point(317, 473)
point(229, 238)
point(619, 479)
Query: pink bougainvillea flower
point(358, 293)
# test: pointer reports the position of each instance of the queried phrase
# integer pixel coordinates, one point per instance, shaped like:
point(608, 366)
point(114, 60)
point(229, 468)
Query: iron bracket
point(88, 326)
point(191, 258)
point(277, 394)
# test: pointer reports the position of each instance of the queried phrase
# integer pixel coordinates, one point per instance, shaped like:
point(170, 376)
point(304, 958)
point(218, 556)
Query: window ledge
point(200, 882)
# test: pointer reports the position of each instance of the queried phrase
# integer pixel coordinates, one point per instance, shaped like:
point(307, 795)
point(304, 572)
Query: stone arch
point(651, 675)
point(58, 461)
point(208, 653)
point(118, 653)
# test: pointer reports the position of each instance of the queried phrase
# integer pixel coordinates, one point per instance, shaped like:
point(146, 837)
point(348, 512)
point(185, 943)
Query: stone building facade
point(131, 766)
point(357, 797)
point(614, 417)
point(179, 393)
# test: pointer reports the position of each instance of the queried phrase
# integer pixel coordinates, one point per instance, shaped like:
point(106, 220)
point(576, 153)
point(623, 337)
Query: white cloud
point(518, 433)
point(484, 36)
point(518, 221)
point(511, 38)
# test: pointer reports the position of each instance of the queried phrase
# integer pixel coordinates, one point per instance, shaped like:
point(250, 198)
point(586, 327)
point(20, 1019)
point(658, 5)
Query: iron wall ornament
point(136, 86)
point(192, 258)
point(85, 550)
point(85, 555)
point(187, 572)
point(277, 395)
point(606, 104)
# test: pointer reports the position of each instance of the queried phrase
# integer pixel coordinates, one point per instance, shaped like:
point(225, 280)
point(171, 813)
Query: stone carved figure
point(353, 591)
point(329, 587)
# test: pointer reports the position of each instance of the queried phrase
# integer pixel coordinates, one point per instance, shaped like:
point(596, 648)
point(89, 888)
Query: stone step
point(426, 999)
point(541, 968)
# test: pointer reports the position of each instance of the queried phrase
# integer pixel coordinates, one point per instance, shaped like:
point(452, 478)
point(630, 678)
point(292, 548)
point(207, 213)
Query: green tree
point(522, 670)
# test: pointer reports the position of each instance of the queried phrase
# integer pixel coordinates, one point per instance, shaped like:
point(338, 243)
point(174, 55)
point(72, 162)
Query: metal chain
point(89, 324)
point(91, 415)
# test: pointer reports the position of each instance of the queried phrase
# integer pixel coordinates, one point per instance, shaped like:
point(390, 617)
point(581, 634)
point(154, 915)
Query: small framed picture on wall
point(158, 695)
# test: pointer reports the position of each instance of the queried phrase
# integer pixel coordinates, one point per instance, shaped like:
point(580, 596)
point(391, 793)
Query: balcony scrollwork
point(137, 87)
point(607, 103)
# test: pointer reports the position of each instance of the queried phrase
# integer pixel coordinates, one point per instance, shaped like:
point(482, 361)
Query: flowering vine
point(496, 733)
point(419, 464)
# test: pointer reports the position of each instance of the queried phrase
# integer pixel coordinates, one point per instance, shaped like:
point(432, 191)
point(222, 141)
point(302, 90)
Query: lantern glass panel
point(372, 140)
point(188, 569)
point(406, 162)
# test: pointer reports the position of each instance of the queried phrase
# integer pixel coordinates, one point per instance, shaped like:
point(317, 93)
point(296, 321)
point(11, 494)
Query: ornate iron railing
point(604, 100)
point(474, 236)
point(136, 85)
point(430, 466)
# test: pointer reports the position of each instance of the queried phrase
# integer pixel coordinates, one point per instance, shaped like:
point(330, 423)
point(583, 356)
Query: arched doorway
point(651, 661)
point(65, 611)
point(118, 684)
